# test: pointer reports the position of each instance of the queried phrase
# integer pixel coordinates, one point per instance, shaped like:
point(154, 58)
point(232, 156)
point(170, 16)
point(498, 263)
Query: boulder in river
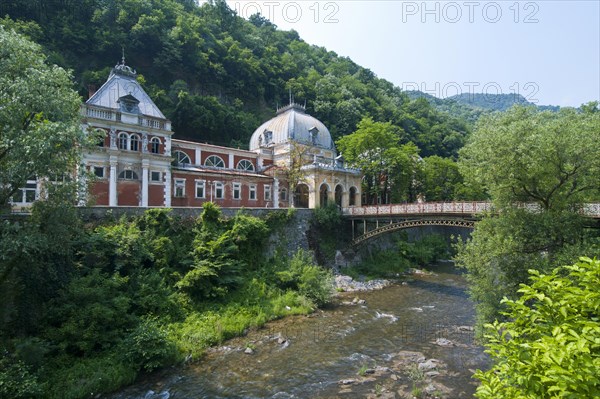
point(444, 342)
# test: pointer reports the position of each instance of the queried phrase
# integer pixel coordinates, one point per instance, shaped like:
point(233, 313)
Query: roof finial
point(290, 89)
point(123, 59)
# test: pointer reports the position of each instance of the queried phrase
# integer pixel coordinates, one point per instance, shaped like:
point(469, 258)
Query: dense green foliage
point(328, 233)
point(39, 116)
point(394, 172)
point(388, 166)
point(523, 155)
point(86, 308)
point(218, 76)
point(548, 160)
point(390, 262)
point(550, 347)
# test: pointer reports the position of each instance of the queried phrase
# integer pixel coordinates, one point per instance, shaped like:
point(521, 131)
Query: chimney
point(91, 90)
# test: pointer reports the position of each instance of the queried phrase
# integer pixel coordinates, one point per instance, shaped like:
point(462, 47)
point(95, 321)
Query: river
point(411, 339)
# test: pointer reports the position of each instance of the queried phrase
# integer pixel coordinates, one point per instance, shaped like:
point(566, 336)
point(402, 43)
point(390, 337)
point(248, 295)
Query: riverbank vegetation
point(548, 161)
point(402, 255)
point(88, 307)
point(549, 346)
point(540, 169)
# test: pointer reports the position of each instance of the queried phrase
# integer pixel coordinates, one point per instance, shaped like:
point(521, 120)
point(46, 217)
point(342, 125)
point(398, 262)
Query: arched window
point(301, 196)
point(214, 161)
point(352, 197)
point(339, 193)
point(283, 195)
point(244, 164)
point(323, 194)
point(134, 142)
point(181, 159)
point(128, 175)
point(122, 142)
point(155, 145)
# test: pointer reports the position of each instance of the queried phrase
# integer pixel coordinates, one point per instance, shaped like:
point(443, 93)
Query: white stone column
point(145, 166)
point(112, 182)
point(168, 146)
point(345, 197)
point(275, 193)
point(231, 161)
point(198, 155)
point(168, 189)
point(312, 198)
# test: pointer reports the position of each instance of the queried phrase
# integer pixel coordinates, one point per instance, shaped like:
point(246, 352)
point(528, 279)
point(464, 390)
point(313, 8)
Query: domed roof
point(292, 123)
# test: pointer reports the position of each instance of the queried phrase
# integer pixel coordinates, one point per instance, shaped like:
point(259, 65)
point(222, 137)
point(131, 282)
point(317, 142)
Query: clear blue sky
point(548, 51)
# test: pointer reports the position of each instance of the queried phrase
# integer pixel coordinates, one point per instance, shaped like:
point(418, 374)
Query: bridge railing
point(446, 208)
point(456, 208)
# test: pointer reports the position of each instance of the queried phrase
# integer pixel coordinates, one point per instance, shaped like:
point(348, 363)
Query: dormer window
point(314, 134)
point(129, 104)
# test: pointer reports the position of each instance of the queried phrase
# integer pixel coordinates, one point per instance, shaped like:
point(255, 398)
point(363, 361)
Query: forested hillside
point(218, 76)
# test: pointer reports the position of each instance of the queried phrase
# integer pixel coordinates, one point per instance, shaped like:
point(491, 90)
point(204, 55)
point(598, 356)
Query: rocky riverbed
point(405, 341)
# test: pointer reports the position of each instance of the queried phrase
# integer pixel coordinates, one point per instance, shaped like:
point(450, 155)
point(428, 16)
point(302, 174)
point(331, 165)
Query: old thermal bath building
point(291, 161)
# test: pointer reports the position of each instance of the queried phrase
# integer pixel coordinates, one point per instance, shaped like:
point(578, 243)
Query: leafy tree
point(551, 159)
point(550, 347)
point(543, 158)
point(37, 260)
point(39, 119)
point(440, 178)
point(388, 166)
point(503, 247)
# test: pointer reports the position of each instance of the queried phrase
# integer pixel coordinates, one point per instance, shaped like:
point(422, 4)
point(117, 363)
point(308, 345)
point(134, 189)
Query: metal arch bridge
point(404, 216)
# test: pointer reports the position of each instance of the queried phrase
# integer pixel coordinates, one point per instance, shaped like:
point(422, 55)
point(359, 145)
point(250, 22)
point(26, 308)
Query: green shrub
point(380, 264)
point(147, 347)
point(87, 377)
point(91, 314)
point(17, 380)
point(310, 280)
point(550, 348)
point(328, 218)
point(427, 250)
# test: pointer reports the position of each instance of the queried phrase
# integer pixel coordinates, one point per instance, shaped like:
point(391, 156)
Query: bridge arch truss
point(411, 223)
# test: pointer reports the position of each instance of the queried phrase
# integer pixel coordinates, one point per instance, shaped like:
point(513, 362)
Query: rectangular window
point(27, 194)
point(200, 189)
point(219, 190)
point(252, 195)
point(155, 176)
point(30, 190)
point(99, 171)
point(179, 188)
point(267, 192)
point(237, 191)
